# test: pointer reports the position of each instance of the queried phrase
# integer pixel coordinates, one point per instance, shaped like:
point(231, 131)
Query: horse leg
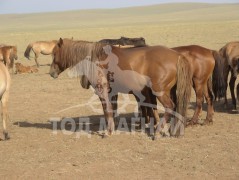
point(167, 103)
point(209, 98)
point(108, 112)
point(9, 65)
point(226, 73)
point(232, 86)
point(199, 101)
point(174, 96)
point(5, 116)
point(153, 111)
point(12, 65)
point(36, 56)
point(114, 105)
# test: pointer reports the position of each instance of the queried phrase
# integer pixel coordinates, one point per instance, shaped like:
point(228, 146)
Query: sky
point(34, 6)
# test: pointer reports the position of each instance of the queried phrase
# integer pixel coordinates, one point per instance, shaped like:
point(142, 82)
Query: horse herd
point(150, 73)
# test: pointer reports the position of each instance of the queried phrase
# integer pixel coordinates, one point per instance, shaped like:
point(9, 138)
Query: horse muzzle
point(54, 75)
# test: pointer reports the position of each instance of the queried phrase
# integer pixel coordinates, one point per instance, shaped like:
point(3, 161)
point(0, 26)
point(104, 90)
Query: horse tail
point(184, 85)
point(218, 82)
point(28, 50)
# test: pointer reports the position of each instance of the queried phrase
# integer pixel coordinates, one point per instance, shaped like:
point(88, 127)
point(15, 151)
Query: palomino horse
point(40, 47)
point(7, 55)
point(157, 67)
point(4, 93)
point(231, 54)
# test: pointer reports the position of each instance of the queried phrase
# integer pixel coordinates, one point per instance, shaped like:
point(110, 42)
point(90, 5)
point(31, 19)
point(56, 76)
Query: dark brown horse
point(231, 54)
point(136, 42)
point(8, 54)
point(111, 70)
point(125, 41)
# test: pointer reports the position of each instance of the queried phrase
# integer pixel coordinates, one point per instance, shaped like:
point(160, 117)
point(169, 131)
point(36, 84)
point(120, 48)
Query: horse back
point(147, 60)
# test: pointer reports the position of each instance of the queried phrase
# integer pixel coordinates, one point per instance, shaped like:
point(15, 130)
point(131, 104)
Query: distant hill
point(156, 14)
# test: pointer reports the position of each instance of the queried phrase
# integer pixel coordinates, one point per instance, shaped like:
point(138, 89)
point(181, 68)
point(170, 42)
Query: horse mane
point(72, 52)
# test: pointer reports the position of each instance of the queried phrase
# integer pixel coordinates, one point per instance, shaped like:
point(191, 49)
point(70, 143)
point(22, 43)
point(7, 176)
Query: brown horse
point(40, 47)
point(8, 54)
point(231, 54)
point(4, 93)
point(204, 64)
point(111, 70)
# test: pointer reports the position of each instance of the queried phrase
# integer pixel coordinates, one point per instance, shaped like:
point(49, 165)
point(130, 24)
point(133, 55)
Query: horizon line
point(110, 8)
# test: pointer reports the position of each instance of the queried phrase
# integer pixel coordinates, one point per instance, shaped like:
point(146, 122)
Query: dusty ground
point(34, 151)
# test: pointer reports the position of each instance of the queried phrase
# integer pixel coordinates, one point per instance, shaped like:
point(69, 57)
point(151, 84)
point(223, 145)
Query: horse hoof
point(104, 136)
point(191, 123)
point(5, 137)
point(208, 122)
point(155, 137)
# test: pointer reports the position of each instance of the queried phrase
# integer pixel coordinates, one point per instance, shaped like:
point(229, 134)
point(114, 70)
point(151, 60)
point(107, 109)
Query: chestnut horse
point(157, 67)
point(4, 93)
point(40, 47)
point(8, 54)
point(231, 54)
point(204, 64)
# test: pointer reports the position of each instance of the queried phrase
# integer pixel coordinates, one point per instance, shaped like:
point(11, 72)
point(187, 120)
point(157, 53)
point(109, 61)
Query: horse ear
point(60, 42)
